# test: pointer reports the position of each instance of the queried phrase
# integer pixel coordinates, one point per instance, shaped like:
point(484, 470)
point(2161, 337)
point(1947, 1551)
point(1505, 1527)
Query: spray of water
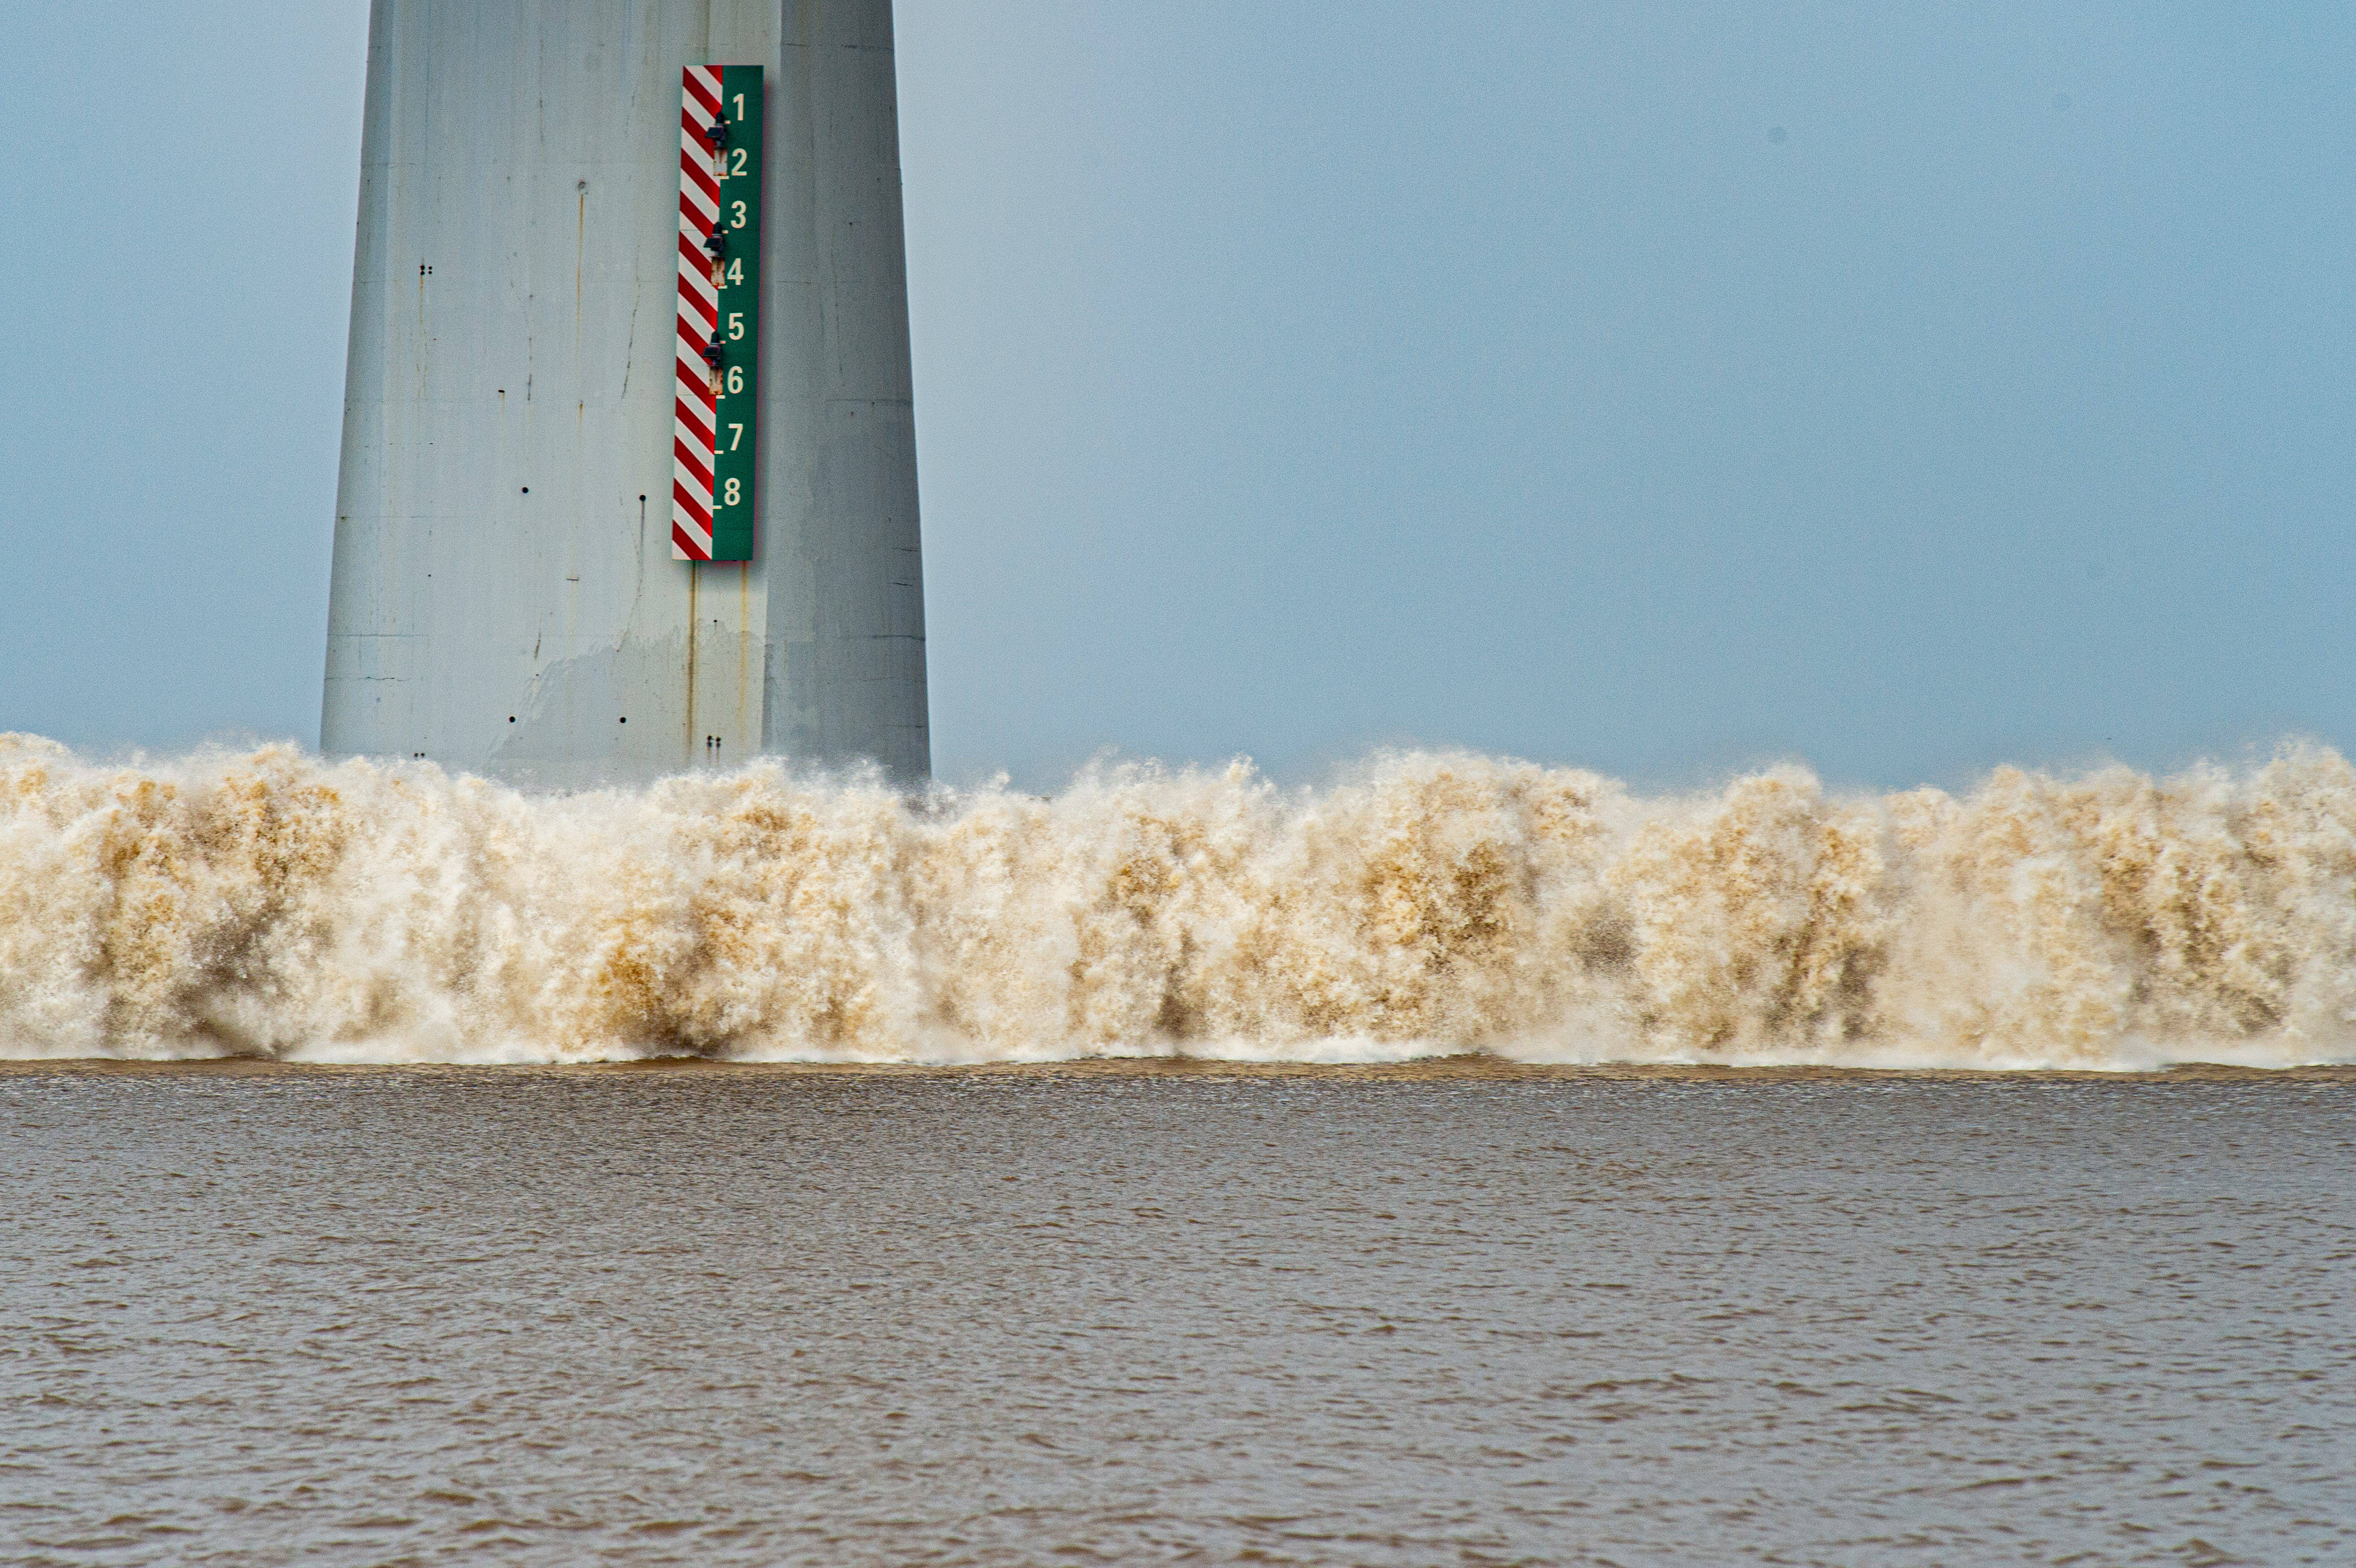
point(270, 905)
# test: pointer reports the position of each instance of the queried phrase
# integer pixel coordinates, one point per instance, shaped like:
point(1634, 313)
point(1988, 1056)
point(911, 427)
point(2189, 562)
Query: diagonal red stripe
point(694, 253)
point(691, 416)
point(707, 96)
point(694, 378)
point(696, 511)
point(698, 463)
point(697, 165)
point(687, 545)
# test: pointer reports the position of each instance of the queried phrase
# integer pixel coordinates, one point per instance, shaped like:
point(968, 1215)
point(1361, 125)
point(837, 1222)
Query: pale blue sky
point(1906, 389)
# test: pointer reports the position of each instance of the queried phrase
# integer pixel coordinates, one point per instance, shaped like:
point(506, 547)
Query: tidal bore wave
point(270, 905)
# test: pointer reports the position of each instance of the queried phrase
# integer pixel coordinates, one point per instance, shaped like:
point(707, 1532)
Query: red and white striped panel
point(699, 312)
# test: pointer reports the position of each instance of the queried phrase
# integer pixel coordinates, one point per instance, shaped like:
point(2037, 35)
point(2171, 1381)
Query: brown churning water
point(1429, 902)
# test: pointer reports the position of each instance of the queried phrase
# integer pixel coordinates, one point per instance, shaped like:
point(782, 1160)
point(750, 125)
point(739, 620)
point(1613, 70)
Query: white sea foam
point(272, 905)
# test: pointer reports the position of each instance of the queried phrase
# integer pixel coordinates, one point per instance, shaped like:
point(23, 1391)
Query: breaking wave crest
point(272, 905)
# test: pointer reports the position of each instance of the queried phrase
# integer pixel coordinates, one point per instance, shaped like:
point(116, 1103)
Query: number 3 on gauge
point(738, 221)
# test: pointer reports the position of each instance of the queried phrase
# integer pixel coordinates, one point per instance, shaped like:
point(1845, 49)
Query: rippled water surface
point(721, 1315)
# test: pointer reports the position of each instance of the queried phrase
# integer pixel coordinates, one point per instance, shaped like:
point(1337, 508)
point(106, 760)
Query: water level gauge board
point(719, 313)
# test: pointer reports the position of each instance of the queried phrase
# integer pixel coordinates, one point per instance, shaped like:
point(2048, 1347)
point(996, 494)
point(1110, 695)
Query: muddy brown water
point(1453, 1314)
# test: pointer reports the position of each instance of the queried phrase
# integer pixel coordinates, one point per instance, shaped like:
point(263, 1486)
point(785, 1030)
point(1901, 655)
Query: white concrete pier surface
point(505, 594)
